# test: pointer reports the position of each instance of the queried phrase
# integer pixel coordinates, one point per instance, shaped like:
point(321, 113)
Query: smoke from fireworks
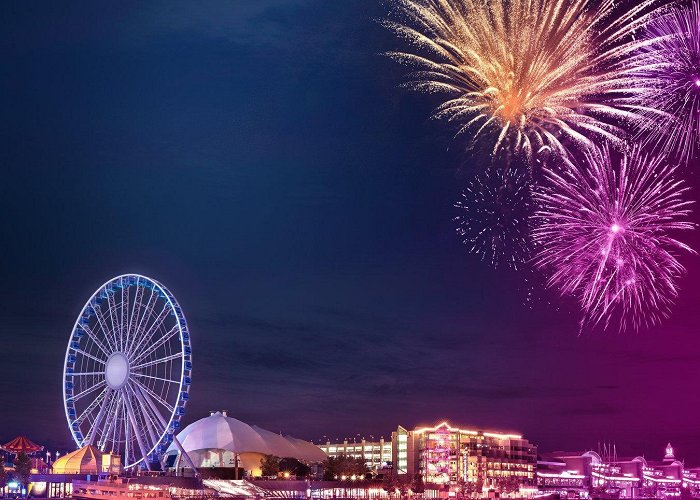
point(494, 216)
point(532, 73)
point(667, 72)
point(603, 230)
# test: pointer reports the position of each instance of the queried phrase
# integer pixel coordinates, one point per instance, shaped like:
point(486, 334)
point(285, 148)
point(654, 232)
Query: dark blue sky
point(259, 159)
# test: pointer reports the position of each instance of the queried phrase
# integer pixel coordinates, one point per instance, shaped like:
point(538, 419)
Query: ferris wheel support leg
point(135, 428)
point(146, 400)
point(183, 453)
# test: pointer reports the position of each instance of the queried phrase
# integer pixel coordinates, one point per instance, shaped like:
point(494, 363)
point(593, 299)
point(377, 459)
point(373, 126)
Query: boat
point(118, 488)
point(161, 487)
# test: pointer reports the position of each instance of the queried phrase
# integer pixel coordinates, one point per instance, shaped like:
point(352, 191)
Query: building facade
point(474, 459)
point(376, 454)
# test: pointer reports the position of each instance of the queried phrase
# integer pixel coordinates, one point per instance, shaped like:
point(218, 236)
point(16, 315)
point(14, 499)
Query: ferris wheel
point(127, 370)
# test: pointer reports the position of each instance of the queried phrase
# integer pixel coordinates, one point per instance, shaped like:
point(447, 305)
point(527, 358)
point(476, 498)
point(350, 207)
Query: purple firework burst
point(666, 72)
point(603, 230)
point(494, 218)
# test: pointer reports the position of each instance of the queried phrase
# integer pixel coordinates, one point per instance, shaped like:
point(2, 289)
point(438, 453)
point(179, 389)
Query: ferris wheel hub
point(117, 371)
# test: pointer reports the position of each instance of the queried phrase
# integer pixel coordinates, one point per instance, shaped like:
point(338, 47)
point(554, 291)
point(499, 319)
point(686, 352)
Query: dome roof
point(219, 431)
point(278, 444)
point(86, 460)
point(308, 452)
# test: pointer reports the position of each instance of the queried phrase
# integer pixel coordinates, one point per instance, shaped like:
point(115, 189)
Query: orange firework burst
point(534, 73)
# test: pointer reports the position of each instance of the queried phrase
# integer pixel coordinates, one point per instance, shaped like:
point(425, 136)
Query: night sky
point(259, 159)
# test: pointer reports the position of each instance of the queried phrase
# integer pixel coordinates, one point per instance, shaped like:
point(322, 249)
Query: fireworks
point(531, 74)
point(560, 80)
point(494, 216)
point(667, 72)
point(604, 235)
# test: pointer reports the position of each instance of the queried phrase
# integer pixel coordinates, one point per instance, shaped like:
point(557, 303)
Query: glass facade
point(401, 440)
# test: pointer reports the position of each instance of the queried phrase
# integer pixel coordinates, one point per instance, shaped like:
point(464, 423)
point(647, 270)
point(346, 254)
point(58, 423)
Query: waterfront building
point(477, 459)
point(555, 476)
point(377, 455)
point(581, 475)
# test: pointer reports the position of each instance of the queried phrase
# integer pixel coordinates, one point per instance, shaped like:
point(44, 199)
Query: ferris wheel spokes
point(171, 333)
point(153, 329)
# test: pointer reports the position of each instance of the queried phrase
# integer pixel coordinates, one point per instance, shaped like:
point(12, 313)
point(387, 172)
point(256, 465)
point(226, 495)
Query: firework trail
point(494, 219)
point(667, 72)
point(603, 230)
point(528, 73)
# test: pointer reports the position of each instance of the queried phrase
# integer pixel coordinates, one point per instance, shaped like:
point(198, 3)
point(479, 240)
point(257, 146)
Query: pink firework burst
point(604, 229)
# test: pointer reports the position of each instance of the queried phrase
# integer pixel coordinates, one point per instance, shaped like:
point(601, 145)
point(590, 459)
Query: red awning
point(21, 443)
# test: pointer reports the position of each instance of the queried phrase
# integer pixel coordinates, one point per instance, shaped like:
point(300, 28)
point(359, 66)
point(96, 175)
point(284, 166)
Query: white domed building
point(218, 441)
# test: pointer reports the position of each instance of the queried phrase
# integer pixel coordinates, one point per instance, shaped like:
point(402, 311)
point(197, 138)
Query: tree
point(597, 491)
point(417, 486)
point(337, 467)
point(269, 466)
point(471, 487)
point(294, 467)
point(479, 485)
point(389, 483)
point(509, 484)
point(403, 485)
point(23, 468)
